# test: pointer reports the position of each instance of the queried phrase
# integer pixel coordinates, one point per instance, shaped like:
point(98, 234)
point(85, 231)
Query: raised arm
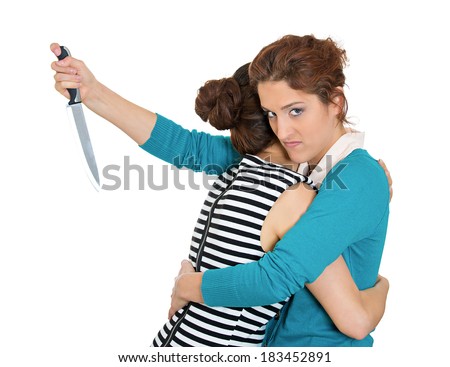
point(135, 121)
point(157, 135)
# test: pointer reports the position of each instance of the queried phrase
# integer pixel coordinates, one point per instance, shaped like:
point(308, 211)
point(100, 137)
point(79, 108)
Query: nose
point(283, 128)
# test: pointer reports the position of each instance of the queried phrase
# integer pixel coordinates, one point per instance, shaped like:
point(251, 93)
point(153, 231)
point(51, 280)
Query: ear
point(337, 101)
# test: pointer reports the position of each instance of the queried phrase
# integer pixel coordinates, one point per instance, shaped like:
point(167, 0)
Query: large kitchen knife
point(76, 117)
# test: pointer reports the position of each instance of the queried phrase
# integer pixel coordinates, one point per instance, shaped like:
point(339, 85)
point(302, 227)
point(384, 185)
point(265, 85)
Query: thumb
point(56, 49)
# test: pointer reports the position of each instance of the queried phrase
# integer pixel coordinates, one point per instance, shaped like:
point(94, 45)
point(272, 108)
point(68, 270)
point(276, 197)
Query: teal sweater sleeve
point(352, 201)
point(195, 150)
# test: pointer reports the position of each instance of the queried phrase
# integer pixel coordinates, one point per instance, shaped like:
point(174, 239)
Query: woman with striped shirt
point(228, 230)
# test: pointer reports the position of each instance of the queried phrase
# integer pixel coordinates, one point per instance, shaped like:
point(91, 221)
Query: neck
point(275, 153)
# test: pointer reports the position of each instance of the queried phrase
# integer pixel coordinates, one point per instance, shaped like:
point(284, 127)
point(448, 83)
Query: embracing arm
point(355, 313)
point(157, 135)
point(355, 185)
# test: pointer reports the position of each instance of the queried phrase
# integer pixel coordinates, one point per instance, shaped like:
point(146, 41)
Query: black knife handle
point(74, 93)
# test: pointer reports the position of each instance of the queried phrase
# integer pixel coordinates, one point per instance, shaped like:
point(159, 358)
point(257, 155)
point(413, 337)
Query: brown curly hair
point(306, 63)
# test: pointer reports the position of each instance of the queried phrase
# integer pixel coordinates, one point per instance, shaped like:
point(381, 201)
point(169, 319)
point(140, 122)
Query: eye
point(296, 111)
point(270, 114)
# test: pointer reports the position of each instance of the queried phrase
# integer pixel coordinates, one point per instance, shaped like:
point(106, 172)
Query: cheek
point(315, 131)
point(273, 124)
point(322, 123)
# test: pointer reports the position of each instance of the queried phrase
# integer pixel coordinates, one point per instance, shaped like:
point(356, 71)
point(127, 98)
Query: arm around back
point(355, 313)
point(352, 205)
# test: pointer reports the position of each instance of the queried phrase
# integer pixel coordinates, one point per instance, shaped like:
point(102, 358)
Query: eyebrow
point(285, 107)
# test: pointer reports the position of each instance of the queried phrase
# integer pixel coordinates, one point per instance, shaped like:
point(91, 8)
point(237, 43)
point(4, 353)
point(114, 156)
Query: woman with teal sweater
point(306, 109)
point(300, 84)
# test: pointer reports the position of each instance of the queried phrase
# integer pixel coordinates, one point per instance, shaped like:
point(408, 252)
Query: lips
point(291, 144)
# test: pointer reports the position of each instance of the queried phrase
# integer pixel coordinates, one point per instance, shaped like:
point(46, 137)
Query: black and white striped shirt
point(227, 233)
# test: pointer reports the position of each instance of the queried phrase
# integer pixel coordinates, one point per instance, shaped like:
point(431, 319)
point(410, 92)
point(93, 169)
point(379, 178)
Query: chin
point(299, 158)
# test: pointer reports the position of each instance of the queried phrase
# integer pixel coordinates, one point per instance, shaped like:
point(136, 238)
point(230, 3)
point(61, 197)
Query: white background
point(87, 275)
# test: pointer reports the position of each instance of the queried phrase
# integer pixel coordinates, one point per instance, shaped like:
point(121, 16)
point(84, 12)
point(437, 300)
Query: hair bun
point(219, 103)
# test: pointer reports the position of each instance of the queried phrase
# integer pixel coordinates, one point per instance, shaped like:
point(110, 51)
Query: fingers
point(68, 72)
point(62, 90)
point(67, 61)
point(171, 313)
point(186, 267)
point(383, 280)
point(176, 302)
point(66, 80)
point(64, 66)
point(67, 75)
point(389, 177)
point(173, 309)
point(67, 65)
point(388, 174)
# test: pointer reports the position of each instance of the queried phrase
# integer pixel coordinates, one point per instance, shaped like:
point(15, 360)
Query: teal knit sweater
point(349, 216)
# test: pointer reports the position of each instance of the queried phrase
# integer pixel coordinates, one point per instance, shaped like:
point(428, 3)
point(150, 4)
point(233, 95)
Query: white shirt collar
point(346, 144)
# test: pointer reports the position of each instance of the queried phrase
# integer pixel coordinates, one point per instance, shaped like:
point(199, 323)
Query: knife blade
point(76, 117)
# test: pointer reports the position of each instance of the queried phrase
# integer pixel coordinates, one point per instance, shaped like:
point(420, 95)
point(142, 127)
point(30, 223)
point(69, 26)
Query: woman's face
point(305, 126)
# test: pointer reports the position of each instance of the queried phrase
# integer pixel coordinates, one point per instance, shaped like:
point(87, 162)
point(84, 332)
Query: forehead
point(275, 95)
